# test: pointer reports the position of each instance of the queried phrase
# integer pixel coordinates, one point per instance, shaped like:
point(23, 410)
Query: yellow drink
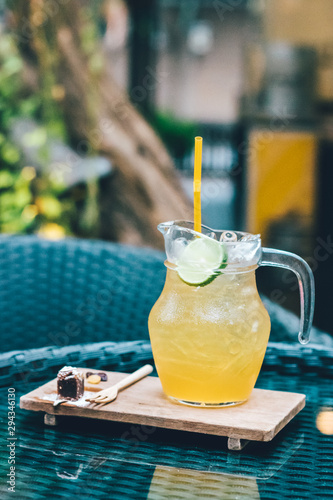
point(209, 341)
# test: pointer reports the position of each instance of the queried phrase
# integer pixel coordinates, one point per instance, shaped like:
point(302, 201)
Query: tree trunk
point(143, 189)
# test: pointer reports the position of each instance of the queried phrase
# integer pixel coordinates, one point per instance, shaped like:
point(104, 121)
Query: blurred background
point(100, 103)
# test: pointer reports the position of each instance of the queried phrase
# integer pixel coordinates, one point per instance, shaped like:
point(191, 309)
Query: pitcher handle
point(291, 261)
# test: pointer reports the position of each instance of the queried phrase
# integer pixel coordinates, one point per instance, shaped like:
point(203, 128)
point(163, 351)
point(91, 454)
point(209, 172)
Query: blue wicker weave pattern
point(74, 291)
point(38, 364)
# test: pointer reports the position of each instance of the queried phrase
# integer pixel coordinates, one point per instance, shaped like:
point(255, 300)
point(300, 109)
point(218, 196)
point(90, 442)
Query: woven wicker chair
point(73, 291)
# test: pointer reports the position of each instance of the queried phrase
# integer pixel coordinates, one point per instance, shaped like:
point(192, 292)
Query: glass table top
point(98, 460)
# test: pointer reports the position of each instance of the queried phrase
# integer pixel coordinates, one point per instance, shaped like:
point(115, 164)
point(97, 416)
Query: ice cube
point(243, 252)
point(175, 248)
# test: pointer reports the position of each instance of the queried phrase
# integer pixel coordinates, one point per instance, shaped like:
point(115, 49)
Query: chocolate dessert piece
point(70, 383)
point(104, 377)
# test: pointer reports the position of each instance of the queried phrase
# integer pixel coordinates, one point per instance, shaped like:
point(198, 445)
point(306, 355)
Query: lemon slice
point(200, 260)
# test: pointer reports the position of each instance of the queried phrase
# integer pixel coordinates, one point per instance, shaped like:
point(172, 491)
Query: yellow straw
point(197, 183)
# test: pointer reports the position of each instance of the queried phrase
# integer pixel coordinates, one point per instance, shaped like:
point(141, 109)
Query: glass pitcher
point(209, 329)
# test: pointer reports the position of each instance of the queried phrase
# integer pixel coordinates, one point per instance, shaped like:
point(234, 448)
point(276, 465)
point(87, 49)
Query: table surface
point(107, 460)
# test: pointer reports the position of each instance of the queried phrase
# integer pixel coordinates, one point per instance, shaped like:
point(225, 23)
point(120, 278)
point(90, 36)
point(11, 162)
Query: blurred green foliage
point(31, 201)
point(176, 134)
point(15, 192)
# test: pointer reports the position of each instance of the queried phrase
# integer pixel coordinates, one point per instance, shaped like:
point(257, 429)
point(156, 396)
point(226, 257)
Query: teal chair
point(74, 291)
point(77, 291)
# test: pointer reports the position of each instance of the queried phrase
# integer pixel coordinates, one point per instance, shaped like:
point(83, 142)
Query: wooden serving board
point(259, 419)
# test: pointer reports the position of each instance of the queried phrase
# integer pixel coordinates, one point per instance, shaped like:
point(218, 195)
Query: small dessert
point(70, 383)
point(94, 379)
point(102, 377)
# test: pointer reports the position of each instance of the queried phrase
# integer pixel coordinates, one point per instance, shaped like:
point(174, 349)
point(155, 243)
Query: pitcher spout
point(164, 227)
